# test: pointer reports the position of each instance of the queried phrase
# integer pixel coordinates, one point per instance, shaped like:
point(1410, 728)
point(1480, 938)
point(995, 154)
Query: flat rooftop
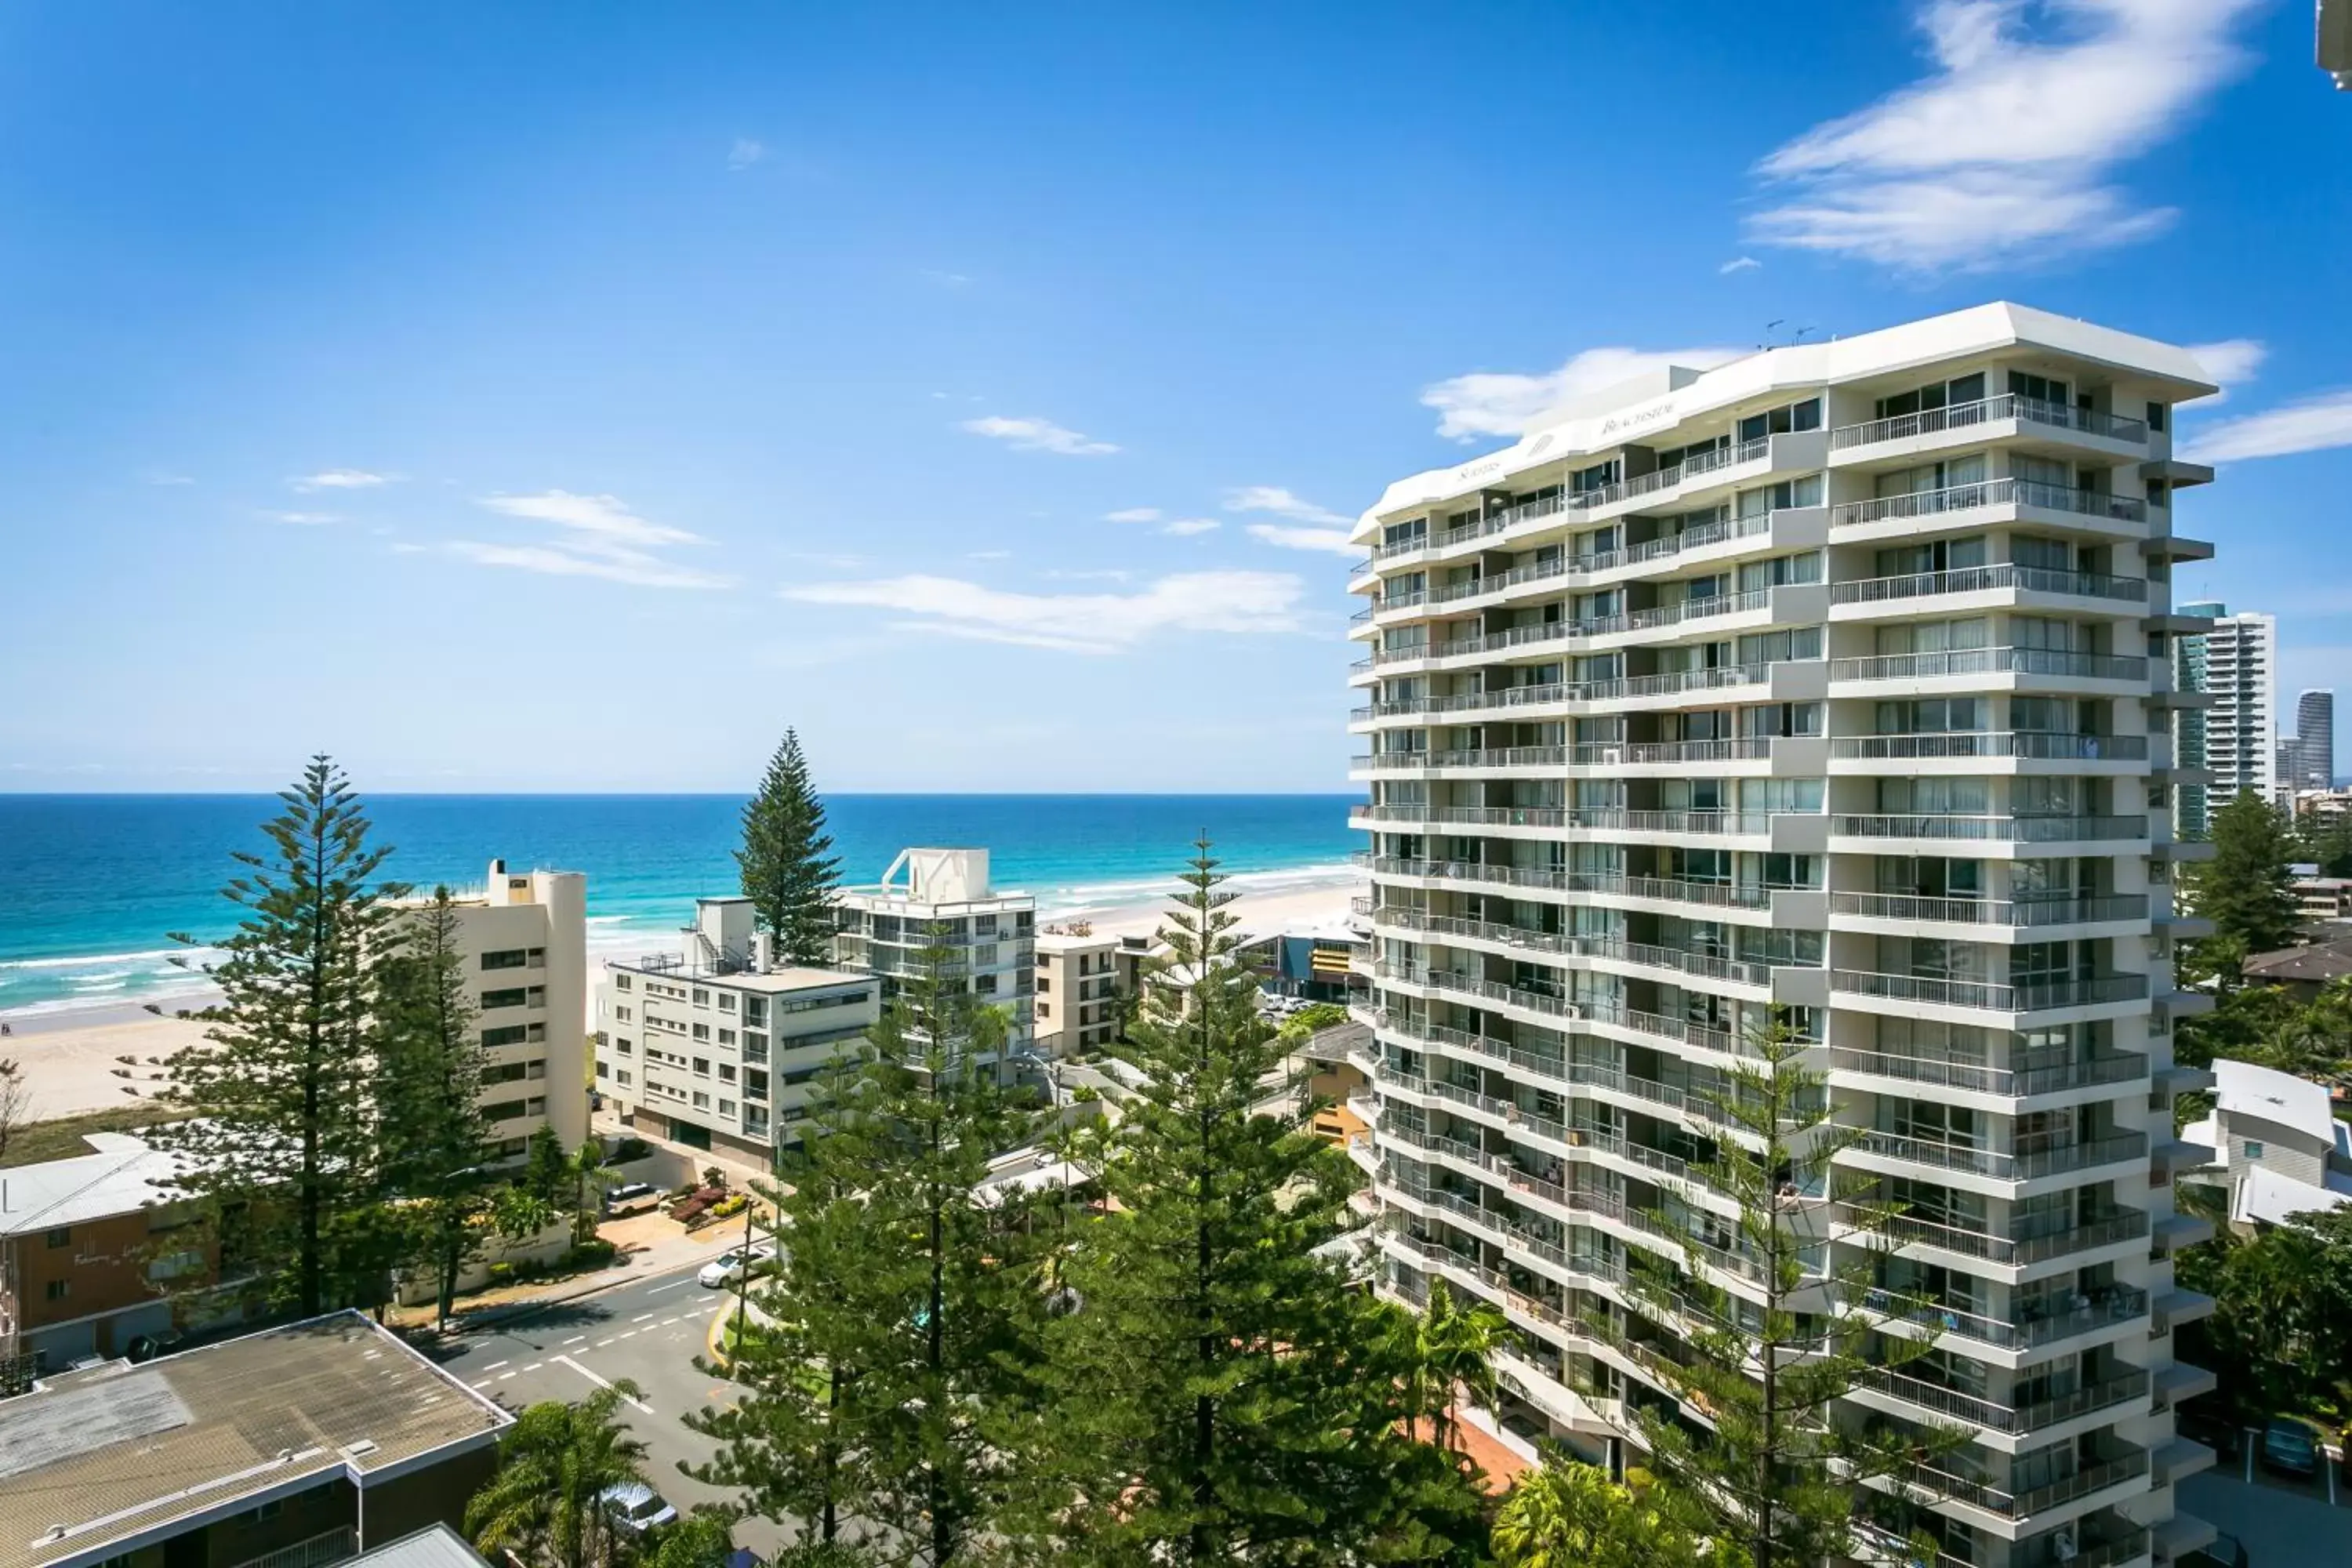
point(662, 966)
point(99, 1462)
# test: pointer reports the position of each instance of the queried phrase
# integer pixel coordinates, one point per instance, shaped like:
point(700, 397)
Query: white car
point(637, 1506)
point(731, 1265)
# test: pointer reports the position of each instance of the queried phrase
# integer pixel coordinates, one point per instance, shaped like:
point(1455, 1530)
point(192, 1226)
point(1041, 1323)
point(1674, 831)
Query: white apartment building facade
point(2191, 801)
point(1076, 1000)
point(2241, 725)
point(1835, 681)
point(715, 1046)
point(524, 936)
point(941, 897)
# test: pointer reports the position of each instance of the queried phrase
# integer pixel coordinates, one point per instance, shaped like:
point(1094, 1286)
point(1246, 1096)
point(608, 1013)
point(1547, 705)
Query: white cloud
point(1740, 264)
point(1334, 539)
point(611, 564)
point(602, 537)
point(2231, 362)
point(2313, 424)
point(1282, 503)
point(1252, 603)
point(1037, 436)
point(745, 153)
point(1112, 576)
point(1494, 403)
point(988, 555)
point(341, 479)
point(601, 517)
point(1185, 527)
point(1134, 514)
point(2006, 149)
point(302, 519)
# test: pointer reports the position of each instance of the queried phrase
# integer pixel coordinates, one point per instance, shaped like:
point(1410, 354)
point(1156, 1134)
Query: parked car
point(731, 1265)
point(2227, 1552)
point(632, 1197)
point(2292, 1445)
point(638, 1506)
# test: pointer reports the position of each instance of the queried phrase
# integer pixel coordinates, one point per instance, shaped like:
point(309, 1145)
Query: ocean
point(92, 886)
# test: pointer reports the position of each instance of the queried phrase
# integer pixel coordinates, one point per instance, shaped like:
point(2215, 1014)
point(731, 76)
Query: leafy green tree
point(1308, 1020)
point(788, 871)
point(1450, 1344)
point(703, 1539)
point(2326, 842)
point(587, 1181)
point(435, 1146)
point(2243, 889)
point(907, 1309)
point(1215, 1393)
point(282, 1089)
point(547, 1172)
point(1568, 1514)
point(546, 1503)
point(1766, 1373)
point(2279, 1335)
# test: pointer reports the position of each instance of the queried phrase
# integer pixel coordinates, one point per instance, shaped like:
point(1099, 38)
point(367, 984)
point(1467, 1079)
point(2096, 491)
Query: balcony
point(1714, 966)
point(1941, 1484)
point(2007, 829)
point(1988, 411)
point(1718, 895)
point(2013, 1083)
point(1989, 579)
point(2035, 745)
point(1989, 493)
point(1603, 818)
point(1988, 661)
point(2017, 914)
point(1952, 1404)
point(2032, 1158)
point(2034, 997)
point(2104, 1229)
point(1607, 755)
point(1585, 565)
point(2112, 1305)
point(1670, 684)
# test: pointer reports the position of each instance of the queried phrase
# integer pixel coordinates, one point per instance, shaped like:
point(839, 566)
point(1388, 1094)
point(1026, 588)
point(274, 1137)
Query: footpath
point(650, 1243)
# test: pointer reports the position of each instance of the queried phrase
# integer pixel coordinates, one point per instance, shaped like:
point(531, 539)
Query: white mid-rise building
point(1834, 682)
point(715, 1046)
point(2242, 724)
point(934, 897)
point(524, 937)
point(1076, 1003)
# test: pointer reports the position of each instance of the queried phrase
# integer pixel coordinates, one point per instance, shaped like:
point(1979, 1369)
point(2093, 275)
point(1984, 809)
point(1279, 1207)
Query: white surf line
point(602, 1382)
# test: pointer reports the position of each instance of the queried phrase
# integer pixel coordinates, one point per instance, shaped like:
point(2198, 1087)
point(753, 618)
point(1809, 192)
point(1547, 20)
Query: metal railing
point(1715, 895)
point(2034, 1156)
point(2033, 744)
point(317, 1551)
point(1568, 565)
point(2017, 829)
point(2117, 1304)
point(1988, 661)
point(1966, 415)
point(2032, 996)
point(1989, 492)
point(2016, 912)
point(1984, 579)
point(2011, 1082)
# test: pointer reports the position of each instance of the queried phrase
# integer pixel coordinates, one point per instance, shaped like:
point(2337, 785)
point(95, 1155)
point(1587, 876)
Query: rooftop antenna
point(1800, 337)
point(1768, 330)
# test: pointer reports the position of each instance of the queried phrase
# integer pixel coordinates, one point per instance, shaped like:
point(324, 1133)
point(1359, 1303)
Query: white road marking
point(602, 1382)
point(641, 1317)
point(494, 1366)
point(486, 1383)
point(534, 1366)
point(630, 1335)
point(671, 1285)
point(504, 1376)
point(576, 1339)
point(601, 1344)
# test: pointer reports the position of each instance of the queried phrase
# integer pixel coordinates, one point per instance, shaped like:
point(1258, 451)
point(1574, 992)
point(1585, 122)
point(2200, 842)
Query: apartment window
point(626, 1048)
point(726, 1108)
point(511, 1072)
point(1044, 986)
point(2156, 413)
point(622, 1077)
point(755, 1048)
point(2040, 389)
point(538, 956)
point(701, 997)
point(61, 1237)
point(755, 1011)
point(534, 1107)
point(622, 1015)
point(602, 1070)
point(502, 1110)
point(726, 1001)
point(504, 1034)
point(1805, 416)
point(620, 983)
point(537, 1067)
point(755, 1084)
point(58, 1289)
point(516, 997)
point(1935, 394)
point(1044, 1009)
point(725, 1037)
point(2253, 1149)
point(506, 958)
point(701, 1101)
point(702, 1031)
point(702, 1066)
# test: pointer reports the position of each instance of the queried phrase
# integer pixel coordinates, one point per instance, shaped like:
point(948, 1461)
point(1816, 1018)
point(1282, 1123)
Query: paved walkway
point(650, 1243)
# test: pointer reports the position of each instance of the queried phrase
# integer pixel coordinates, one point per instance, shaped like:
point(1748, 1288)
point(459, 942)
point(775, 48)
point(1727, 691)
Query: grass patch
point(61, 1139)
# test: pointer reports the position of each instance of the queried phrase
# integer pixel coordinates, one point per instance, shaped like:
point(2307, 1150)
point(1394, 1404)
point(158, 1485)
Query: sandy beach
point(76, 1061)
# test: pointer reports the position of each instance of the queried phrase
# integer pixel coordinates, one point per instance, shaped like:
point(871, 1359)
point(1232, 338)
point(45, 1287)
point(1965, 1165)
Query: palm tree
point(1568, 1514)
point(591, 1180)
point(1451, 1347)
point(546, 1504)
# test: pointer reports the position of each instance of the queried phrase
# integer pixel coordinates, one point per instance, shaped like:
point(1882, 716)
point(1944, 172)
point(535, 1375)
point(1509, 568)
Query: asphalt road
point(648, 1332)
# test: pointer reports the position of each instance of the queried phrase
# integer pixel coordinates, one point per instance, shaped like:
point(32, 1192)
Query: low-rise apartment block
point(715, 1045)
point(1077, 991)
point(525, 938)
point(934, 897)
point(300, 1446)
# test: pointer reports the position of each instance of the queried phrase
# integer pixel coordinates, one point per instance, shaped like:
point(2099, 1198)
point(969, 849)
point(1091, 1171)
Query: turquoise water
point(91, 886)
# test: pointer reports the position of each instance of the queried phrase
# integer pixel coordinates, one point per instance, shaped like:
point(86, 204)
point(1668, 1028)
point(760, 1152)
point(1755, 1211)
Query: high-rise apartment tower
point(1835, 681)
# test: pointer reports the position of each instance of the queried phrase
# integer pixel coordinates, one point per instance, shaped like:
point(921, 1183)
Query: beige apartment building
point(525, 938)
point(1077, 992)
point(715, 1045)
point(1831, 682)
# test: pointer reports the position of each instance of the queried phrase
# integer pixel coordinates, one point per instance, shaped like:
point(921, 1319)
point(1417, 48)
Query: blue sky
point(571, 397)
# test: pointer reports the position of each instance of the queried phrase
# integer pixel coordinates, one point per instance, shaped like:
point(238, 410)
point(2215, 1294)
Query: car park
point(637, 1506)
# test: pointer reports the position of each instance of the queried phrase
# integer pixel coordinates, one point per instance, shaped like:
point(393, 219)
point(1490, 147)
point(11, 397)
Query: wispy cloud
point(1185, 527)
point(341, 480)
point(1494, 403)
point(2007, 149)
point(2232, 362)
point(1334, 539)
point(1037, 436)
point(1134, 514)
point(601, 537)
point(303, 518)
point(1281, 502)
point(1740, 264)
point(169, 479)
point(1104, 576)
point(1246, 602)
point(2313, 424)
point(988, 555)
point(745, 153)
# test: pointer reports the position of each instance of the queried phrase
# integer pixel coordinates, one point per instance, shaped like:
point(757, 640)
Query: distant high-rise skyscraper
point(2242, 727)
point(2191, 811)
point(2315, 739)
